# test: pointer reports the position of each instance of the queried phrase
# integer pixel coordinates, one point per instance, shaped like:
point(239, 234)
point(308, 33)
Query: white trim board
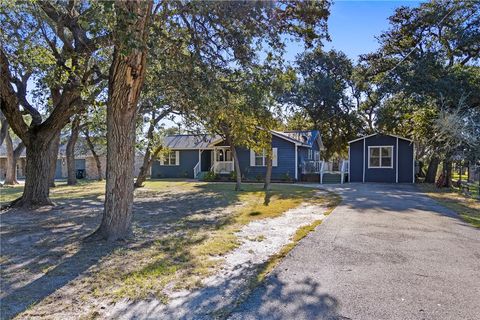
point(396, 162)
point(385, 134)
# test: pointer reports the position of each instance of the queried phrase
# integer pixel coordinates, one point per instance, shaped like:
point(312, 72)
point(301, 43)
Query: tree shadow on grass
point(70, 268)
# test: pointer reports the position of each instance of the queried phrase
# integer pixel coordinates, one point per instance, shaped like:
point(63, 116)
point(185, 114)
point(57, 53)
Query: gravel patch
point(219, 293)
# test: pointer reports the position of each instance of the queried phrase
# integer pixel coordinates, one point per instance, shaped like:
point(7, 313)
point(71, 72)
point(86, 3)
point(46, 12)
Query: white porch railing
point(311, 167)
point(196, 170)
point(223, 167)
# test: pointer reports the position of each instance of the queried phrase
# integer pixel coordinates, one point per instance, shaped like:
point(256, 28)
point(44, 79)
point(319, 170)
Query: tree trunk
point(268, 175)
point(72, 172)
point(238, 173)
point(94, 154)
point(127, 73)
point(12, 158)
point(53, 152)
point(431, 175)
point(149, 154)
point(3, 128)
point(38, 173)
point(447, 169)
point(146, 165)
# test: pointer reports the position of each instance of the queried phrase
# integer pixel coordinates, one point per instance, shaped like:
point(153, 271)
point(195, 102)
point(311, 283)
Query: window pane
point(386, 162)
point(374, 162)
point(374, 152)
point(172, 157)
point(386, 152)
point(258, 161)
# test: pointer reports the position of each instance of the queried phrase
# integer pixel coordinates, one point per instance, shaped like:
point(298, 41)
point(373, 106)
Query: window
point(313, 155)
point(260, 159)
point(170, 158)
point(380, 157)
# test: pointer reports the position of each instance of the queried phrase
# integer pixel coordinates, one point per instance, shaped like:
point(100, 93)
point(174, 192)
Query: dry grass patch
point(467, 208)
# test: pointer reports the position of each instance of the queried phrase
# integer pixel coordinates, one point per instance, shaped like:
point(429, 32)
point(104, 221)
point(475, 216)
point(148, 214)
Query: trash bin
point(80, 173)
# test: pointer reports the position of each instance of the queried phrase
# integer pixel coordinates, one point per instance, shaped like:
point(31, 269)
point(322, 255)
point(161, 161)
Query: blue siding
point(356, 161)
point(380, 174)
point(405, 161)
point(358, 158)
point(285, 162)
point(188, 160)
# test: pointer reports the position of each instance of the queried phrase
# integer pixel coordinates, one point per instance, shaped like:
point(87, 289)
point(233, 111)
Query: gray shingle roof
point(189, 141)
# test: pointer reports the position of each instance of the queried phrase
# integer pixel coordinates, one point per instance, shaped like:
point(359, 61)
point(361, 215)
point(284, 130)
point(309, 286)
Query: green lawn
point(473, 186)
point(467, 208)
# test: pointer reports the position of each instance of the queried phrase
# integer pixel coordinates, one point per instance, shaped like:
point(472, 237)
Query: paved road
point(386, 252)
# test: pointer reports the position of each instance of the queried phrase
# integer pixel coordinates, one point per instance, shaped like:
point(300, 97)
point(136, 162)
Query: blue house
point(381, 158)
point(191, 155)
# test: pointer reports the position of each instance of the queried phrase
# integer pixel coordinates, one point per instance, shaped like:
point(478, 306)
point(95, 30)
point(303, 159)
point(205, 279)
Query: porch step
point(331, 178)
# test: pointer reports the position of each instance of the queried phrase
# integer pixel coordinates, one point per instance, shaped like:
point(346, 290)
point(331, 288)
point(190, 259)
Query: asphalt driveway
point(387, 252)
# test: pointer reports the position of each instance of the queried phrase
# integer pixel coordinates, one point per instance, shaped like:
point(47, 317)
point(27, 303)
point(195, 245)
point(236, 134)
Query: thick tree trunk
point(94, 154)
point(268, 175)
point(38, 173)
point(71, 170)
point(431, 175)
point(127, 73)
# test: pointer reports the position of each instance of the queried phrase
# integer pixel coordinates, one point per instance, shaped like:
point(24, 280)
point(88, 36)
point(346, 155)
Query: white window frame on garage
point(380, 166)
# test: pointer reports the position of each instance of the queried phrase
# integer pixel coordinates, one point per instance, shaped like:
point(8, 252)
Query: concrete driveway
point(387, 252)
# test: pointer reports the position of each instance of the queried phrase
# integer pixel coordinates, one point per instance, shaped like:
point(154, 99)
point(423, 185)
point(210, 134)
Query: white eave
point(386, 134)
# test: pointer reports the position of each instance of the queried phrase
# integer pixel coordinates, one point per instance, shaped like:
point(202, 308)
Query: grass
point(196, 256)
point(84, 189)
point(467, 208)
point(148, 265)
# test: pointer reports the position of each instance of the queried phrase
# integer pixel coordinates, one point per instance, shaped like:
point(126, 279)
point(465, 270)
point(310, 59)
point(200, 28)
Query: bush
point(233, 175)
point(287, 177)
point(210, 176)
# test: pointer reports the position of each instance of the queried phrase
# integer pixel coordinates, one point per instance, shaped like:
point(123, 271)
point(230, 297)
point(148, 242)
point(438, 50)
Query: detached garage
point(381, 158)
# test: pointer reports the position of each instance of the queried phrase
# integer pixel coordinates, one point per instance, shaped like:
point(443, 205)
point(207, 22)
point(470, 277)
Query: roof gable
point(377, 133)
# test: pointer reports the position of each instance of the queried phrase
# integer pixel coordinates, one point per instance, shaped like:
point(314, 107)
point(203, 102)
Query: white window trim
point(177, 159)
point(380, 157)
point(253, 157)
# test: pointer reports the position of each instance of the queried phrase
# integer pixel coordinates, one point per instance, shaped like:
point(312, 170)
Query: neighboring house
point(381, 158)
point(84, 162)
point(191, 155)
